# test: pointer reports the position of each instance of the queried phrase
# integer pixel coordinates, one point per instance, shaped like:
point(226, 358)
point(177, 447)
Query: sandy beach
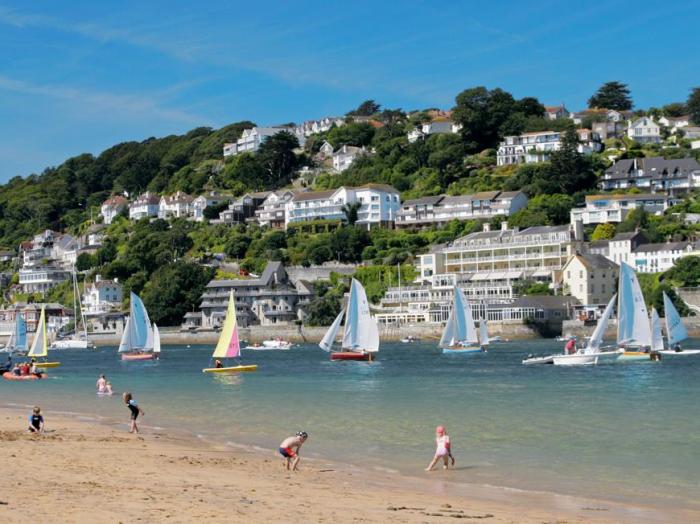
point(83, 472)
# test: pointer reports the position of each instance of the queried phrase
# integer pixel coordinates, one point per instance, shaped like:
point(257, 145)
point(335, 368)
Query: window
point(580, 274)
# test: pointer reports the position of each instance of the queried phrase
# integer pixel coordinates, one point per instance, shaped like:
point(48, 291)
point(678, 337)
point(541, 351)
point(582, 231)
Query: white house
point(112, 207)
point(433, 128)
point(653, 174)
point(177, 205)
point(41, 279)
point(603, 209)
point(380, 204)
point(590, 278)
point(556, 112)
point(644, 130)
point(620, 248)
point(273, 211)
point(251, 139)
point(311, 127)
point(102, 296)
point(536, 147)
point(675, 122)
point(211, 198)
point(345, 156)
point(145, 205)
point(655, 258)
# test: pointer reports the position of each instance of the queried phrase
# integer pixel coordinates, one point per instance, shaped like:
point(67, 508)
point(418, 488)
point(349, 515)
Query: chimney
point(504, 225)
point(487, 227)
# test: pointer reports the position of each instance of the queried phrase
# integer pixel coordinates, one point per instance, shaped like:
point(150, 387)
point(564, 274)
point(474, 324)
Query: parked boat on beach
point(229, 345)
point(141, 338)
point(460, 335)
point(361, 334)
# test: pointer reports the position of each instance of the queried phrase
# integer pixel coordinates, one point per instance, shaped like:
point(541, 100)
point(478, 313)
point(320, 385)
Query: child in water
point(289, 449)
point(443, 451)
point(36, 421)
point(135, 411)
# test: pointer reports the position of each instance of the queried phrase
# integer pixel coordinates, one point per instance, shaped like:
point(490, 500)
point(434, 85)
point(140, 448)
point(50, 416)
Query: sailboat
point(460, 335)
point(361, 334)
point(79, 339)
point(484, 334)
point(139, 339)
point(18, 338)
point(590, 355)
point(633, 325)
point(675, 331)
point(40, 344)
point(229, 344)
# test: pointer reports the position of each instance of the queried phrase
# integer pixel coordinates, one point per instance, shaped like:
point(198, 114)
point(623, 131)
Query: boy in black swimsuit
point(36, 421)
point(135, 411)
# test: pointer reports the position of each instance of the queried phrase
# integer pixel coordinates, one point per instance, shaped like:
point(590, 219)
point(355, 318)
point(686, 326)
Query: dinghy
point(40, 344)
point(139, 338)
point(675, 332)
point(633, 325)
point(361, 334)
point(591, 354)
point(460, 336)
point(79, 339)
point(18, 337)
point(229, 345)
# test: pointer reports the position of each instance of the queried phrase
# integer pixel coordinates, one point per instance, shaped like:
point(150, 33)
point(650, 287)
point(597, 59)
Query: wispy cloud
point(105, 102)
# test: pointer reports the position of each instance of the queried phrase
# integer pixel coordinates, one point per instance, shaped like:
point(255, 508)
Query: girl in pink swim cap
point(443, 451)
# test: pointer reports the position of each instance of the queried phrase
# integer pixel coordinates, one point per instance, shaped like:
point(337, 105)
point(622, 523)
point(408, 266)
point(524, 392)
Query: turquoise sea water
point(627, 432)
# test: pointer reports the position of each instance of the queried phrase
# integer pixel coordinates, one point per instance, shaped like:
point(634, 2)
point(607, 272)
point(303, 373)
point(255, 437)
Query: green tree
point(657, 300)
point(570, 171)
point(85, 261)
point(612, 95)
point(675, 109)
point(347, 243)
point(603, 232)
point(276, 155)
point(693, 105)
point(366, 108)
point(351, 210)
point(685, 272)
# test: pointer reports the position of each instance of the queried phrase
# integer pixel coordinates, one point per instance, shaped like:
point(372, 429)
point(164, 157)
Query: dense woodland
point(167, 261)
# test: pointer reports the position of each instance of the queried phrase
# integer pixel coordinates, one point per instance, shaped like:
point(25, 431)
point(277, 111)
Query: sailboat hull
point(47, 364)
point(634, 356)
point(462, 350)
point(70, 344)
point(682, 353)
point(138, 356)
point(575, 360)
point(350, 355)
point(231, 369)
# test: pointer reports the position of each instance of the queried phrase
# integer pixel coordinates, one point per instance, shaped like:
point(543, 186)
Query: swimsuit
point(287, 452)
point(35, 421)
point(134, 409)
point(443, 446)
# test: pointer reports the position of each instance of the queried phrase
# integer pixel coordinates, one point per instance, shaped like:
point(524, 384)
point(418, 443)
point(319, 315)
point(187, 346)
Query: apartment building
point(535, 147)
point(674, 177)
point(441, 209)
point(379, 205)
point(144, 206)
point(243, 208)
point(273, 210)
point(41, 279)
point(268, 300)
point(603, 209)
point(251, 140)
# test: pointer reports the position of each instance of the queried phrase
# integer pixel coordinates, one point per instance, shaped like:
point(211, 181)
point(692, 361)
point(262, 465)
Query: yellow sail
point(229, 345)
point(40, 345)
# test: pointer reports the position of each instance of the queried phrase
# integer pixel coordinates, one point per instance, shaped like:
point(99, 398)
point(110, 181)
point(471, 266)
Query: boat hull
point(575, 360)
point(351, 355)
point(531, 361)
point(9, 376)
point(683, 353)
point(634, 356)
point(138, 356)
point(462, 351)
point(267, 348)
point(47, 364)
point(231, 369)
point(276, 344)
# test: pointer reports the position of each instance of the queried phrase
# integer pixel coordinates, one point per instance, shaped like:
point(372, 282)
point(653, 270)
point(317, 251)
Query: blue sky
point(80, 76)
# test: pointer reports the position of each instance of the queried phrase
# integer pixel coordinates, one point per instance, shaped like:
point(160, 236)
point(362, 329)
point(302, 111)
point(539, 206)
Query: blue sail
point(139, 324)
point(20, 343)
point(351, 319)
point(675, 330)
point(633, 327)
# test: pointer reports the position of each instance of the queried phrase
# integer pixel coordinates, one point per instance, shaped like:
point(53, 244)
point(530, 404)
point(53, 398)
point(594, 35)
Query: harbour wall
point(579, 329)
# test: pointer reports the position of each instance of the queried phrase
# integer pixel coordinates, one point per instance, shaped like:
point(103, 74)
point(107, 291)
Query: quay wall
point(576, 327)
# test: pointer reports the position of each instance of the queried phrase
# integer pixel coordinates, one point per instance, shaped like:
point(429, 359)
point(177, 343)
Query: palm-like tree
point(351, 210)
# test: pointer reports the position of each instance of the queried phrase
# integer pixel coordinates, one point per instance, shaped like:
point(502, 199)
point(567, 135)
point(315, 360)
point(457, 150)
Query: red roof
point(115, 200)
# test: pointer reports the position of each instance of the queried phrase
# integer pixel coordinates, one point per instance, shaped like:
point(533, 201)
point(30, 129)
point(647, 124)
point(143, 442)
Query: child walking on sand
point(443, 451)
point(36, 421)
point(135, 411)
point(289, 449)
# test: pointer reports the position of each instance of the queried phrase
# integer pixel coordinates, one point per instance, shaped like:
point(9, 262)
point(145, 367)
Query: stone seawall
point(307, 334)
point(576, 327)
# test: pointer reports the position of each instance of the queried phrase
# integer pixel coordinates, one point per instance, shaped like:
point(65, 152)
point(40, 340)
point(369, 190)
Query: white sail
point(483, 333)
point(466, 327)
point(657, 338)
point(40, 344)
point(448, 334)
point(156, 339)
point(633, 326)
point(326, 343)
point(361, 331)
point(675, 330)
point(125, 343)
point(596, 339)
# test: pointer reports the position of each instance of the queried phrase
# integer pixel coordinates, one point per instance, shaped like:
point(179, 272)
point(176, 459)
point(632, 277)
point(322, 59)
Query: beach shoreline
point(176, 477)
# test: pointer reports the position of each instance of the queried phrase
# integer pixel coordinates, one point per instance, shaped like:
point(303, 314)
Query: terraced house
point(673, 177)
